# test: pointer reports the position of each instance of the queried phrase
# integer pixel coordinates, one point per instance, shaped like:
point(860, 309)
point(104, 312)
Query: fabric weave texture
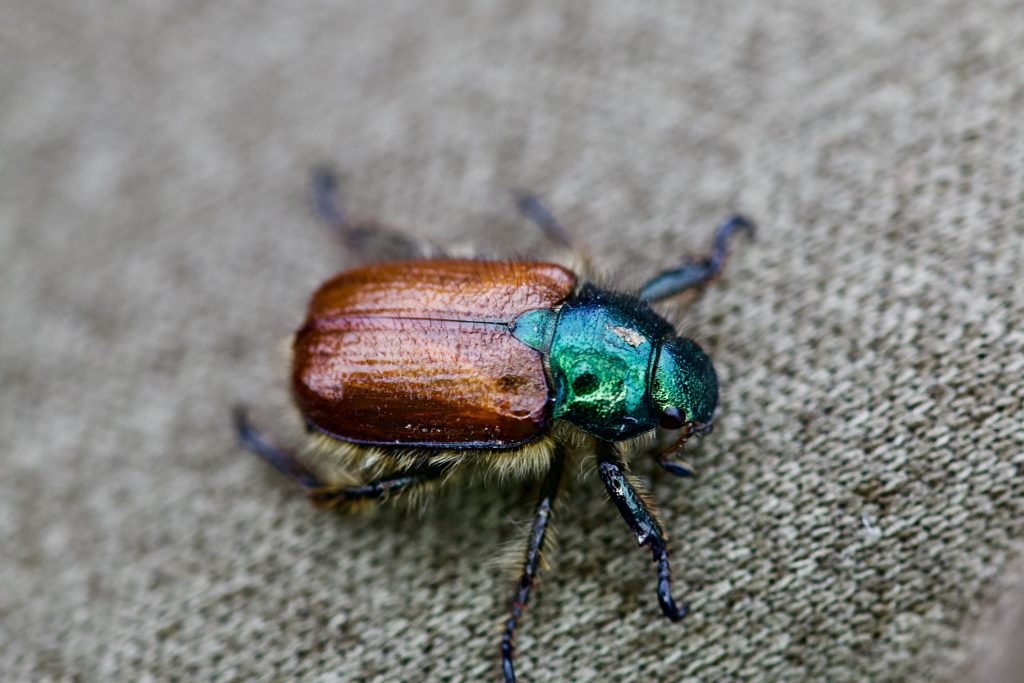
point(857, 514)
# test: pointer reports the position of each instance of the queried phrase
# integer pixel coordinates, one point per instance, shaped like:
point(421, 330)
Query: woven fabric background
point(858, 510)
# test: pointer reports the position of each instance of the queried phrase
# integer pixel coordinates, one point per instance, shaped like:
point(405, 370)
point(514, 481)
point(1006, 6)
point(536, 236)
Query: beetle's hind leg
point(642, 521)
point(370, 240)
point(401, 482)
point(323, 495)
point(697, 272)
point(281, 460)
point(534, 550)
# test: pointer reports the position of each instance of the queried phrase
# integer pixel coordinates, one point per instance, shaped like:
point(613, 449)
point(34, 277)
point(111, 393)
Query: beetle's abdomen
point(420, 353)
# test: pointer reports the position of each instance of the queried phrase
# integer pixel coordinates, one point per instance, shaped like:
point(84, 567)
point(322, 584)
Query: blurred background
point(858, 510)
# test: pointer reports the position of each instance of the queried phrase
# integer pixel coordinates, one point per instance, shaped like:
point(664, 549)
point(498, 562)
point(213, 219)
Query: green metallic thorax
point(601, 350)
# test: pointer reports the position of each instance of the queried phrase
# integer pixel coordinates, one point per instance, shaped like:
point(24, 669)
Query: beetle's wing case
point(421, 353)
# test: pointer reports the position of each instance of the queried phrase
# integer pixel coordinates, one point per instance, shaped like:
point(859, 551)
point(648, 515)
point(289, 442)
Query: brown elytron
point(420, 353)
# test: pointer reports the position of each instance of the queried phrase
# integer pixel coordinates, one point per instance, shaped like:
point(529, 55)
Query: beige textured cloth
point(858, 511)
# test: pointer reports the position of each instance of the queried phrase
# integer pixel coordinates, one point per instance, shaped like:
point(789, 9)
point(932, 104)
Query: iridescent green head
point(684, 386)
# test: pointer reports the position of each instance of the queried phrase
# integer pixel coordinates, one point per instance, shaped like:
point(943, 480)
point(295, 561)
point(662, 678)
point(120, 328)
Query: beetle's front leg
point(533, 556)
point(679, 468)
point(319, 493)
point(371, 241)
point(667, 455)
point(642, 522)
point(697, 272)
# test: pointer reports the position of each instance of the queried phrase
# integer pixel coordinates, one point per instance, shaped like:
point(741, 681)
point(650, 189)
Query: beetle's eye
point(585, 384)
point(671, 418)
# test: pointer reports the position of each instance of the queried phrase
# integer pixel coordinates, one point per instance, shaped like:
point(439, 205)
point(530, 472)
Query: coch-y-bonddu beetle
point(411, 369)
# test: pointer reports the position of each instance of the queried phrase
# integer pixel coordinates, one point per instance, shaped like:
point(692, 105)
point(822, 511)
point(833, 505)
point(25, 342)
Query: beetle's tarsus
point(665, 600)
point(697, 272)
point(534, 549)
point(506, 666)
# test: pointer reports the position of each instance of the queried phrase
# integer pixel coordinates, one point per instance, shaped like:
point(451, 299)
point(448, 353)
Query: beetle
point(410, 369)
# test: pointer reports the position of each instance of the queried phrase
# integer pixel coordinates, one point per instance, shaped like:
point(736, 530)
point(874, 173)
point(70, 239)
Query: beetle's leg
point(533, 556)
point(696, 272)
point(378, 488)
point(370, 240)
point(642, 522)
point(570, 254)
point(666, 456)
point(282, 461)
point(532, 208)
point(321, 494)
point(676, 467)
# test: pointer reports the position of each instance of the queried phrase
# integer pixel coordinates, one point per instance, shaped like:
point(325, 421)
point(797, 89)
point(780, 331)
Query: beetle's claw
point(668, 605)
